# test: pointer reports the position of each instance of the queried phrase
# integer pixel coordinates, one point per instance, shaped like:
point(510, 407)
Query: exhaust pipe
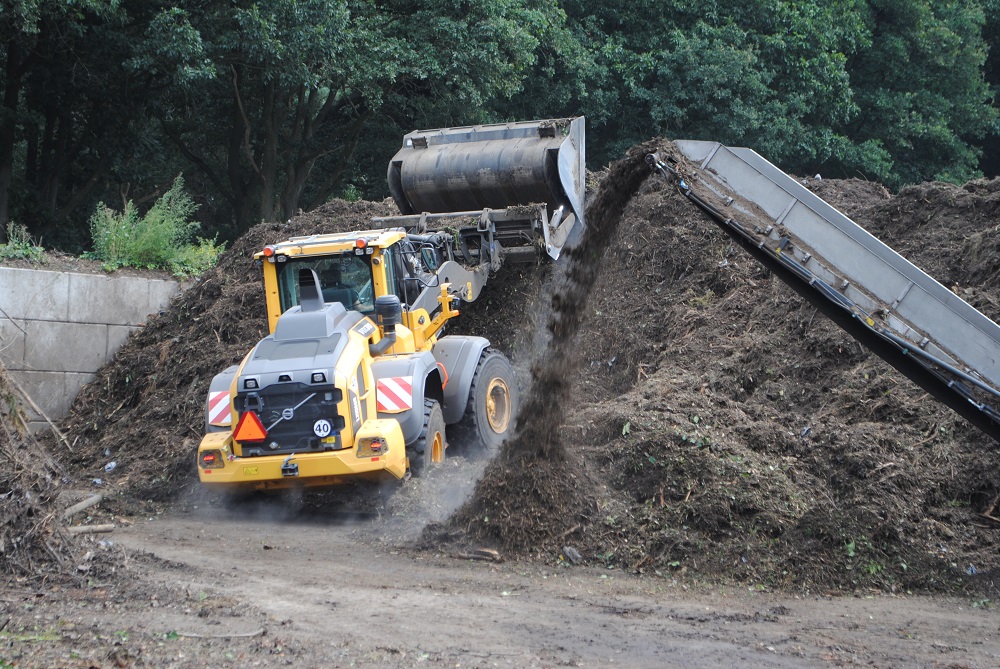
point(388, 314)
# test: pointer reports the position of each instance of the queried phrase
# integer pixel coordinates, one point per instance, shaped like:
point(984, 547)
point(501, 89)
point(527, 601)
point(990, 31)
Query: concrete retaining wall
point(58, 328)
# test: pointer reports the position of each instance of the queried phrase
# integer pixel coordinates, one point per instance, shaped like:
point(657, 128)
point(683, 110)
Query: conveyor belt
point(921, 328)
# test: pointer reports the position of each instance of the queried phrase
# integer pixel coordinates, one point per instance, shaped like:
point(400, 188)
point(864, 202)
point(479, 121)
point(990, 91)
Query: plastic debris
point(572, 554)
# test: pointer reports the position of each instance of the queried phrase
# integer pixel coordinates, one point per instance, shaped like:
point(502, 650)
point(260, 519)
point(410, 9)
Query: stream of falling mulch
point(533, 492)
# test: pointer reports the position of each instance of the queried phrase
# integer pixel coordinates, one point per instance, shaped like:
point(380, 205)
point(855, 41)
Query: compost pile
point(715, 425)
point(32, 544)
point(532, 487)
point(720, 426)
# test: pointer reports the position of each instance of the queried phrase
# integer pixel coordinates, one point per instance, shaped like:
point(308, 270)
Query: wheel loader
point(357, 378)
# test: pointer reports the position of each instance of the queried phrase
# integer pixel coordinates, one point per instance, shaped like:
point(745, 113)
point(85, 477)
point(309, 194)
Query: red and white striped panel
point(218, 408)
point(395, 394)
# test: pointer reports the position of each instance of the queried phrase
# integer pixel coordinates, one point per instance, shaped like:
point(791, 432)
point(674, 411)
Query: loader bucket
point(499, 166)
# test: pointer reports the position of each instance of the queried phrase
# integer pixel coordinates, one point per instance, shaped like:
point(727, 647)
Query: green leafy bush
point(193, 259)
point(162, 239)
point(19, 245)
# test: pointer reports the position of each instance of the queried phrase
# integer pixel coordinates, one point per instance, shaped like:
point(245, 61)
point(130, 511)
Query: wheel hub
point(437, 448)
point(498, 408)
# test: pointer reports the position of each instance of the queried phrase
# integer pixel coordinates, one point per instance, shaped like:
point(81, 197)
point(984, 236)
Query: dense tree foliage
point(920, 88)
point(63, 95)
point(990, 162)
point(888, 89)
point(271, 106)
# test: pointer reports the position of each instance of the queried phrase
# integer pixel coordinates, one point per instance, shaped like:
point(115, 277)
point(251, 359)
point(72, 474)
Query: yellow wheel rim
point(498, 405)
point(437, 448)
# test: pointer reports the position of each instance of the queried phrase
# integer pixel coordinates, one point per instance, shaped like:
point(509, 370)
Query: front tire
point(489, 416)
point(429, 448)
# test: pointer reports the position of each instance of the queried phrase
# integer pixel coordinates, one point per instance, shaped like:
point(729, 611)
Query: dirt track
point(326, 593)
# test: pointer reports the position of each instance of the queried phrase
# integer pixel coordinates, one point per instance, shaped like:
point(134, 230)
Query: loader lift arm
point(928, 333)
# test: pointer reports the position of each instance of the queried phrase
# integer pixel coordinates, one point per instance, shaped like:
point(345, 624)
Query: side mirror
point(429, 256)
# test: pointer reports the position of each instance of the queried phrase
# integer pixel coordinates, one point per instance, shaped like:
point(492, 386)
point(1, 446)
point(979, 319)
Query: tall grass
point(164, 238)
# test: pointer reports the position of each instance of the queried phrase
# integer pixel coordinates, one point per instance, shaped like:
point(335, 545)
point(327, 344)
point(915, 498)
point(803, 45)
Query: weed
point(702, 301)
point(20, 245)
point(873, 568)
point(351, 193)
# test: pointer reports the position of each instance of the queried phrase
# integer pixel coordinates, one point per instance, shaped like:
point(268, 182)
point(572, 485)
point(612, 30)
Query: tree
point(767, 73)
point(890, 89)
point(293, 84)
point(34, 34)
point(990, 162)
point(73, 111)
point(920, 90)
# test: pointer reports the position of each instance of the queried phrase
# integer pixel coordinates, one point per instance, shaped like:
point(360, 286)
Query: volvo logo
point(288, 413)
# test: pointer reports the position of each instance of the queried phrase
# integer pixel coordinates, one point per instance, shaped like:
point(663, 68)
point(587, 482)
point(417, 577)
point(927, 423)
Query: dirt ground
point(272, 588)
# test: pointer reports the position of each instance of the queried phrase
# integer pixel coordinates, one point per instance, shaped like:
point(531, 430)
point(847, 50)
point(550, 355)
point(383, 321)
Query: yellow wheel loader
point(357, 378)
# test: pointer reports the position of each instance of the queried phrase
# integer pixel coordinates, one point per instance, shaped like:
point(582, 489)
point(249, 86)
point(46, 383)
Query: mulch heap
point(33, 545)
point(715, 426)
point(721, 427)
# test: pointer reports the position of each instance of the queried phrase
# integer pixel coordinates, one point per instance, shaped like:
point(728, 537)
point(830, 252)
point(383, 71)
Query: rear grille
point(292, 415)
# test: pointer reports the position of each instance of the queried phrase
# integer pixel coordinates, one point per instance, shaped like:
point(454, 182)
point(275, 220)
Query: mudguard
point(460, 356)
point(221, 383)
point(401, 385)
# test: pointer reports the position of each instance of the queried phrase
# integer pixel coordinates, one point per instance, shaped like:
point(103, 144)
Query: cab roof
point(334, 243)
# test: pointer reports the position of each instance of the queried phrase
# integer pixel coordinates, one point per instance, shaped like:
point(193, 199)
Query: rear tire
point(489, 415)
point(429, 448)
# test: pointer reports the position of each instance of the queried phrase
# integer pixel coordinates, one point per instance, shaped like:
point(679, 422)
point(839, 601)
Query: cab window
point(345, 278)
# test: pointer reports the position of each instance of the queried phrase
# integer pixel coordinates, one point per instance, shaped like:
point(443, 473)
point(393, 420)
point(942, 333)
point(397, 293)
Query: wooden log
point(90, 529)
point(80, 506)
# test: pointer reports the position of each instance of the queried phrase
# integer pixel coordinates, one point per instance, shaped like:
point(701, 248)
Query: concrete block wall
point(58, 328)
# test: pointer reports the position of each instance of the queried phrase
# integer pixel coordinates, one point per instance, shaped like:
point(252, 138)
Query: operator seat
point(343, 294)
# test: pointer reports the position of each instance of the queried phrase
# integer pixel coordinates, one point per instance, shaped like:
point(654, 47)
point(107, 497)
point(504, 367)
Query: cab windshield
point(344, 278)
